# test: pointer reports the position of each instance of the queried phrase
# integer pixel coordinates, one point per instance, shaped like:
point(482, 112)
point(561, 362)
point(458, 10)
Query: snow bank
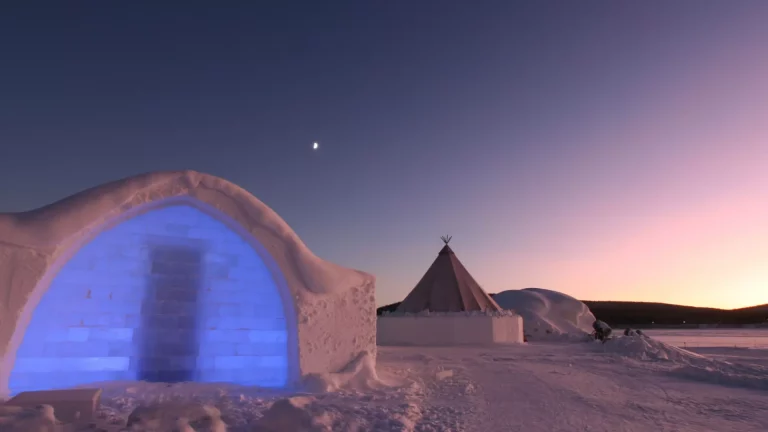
point(359, 375)
point(548, 315)
point(176, 416)
point(295, 414)
point(726, 374)
point(426, 313)
point(649, 349)
point(686, 364)
point(17, 419)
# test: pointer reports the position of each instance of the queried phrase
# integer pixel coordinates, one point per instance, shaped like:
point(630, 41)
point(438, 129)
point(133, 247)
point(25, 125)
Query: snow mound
point(309, 414)
point(726, 374)
point(17, 419)
point(649, 349)
point(182, 417)
point(689, 365)
point(300, 413)
point(547, 314)
point(358, 375)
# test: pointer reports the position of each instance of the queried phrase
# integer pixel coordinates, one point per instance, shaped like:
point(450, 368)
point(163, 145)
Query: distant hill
point(617, 313)
point(760, 308)
point(641, 313)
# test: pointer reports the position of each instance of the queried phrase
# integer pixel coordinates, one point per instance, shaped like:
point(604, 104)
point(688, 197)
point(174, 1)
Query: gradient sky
point(606, 149)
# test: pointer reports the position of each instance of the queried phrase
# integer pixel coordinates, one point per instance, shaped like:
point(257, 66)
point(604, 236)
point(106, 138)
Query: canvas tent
point(447, 287)
point(448, 307)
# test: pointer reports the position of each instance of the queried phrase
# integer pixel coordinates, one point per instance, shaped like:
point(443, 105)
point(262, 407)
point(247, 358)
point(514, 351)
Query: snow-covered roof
point(49, 229)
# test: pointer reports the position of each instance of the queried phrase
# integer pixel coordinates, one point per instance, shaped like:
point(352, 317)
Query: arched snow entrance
point(172, 291)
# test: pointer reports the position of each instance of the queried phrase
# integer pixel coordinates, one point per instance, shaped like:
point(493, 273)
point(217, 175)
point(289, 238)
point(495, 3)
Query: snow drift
point(359, 375)
point(725, 374)
point(685, 364)
point(18, 419)
point(548, 314)
point(646, 348)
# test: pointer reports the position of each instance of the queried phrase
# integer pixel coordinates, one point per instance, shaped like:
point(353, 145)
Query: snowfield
point(731, 338)
point(627, 384)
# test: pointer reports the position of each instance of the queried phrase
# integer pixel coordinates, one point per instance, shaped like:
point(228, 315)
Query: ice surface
point(733, 337)
point(548, 315)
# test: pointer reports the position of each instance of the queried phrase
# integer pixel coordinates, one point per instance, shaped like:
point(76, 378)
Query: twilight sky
point(607, 149)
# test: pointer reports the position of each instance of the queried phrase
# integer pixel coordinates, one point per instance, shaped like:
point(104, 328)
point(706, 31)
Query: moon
point(315, 146)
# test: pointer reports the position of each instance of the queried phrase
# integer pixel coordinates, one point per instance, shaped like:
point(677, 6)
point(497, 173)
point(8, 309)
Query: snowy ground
point(736, 337)
point(626, 385)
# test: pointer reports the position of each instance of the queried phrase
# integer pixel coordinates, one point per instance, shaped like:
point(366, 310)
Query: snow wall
point(449, 328)
point(171, 276)
point(548, 314)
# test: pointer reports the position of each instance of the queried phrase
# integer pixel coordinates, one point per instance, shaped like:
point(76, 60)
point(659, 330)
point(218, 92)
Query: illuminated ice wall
point(170, 295)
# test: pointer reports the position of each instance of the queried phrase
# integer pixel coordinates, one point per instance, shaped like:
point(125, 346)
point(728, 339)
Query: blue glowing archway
point(172, 291)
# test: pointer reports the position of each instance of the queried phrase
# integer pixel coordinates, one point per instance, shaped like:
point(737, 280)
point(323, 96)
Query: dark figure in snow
point(602, 330)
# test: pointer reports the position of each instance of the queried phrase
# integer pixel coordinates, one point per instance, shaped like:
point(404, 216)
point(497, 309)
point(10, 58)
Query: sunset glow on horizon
point(664, 200)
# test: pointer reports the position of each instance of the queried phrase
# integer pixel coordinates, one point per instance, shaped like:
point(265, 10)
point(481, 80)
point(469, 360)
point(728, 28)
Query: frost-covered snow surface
point(622, 385)
point(738, 370)
point(646, 348)
point(720, 337)
point(333, 308)
point(547, 314)
point(426, 313)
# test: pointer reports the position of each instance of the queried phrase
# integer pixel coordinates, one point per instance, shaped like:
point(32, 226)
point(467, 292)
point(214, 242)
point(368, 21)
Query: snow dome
point(171, 276)
point(548, 314)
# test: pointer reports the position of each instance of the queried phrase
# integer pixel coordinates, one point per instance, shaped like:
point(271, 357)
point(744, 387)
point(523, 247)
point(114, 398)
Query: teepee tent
point(447, 287)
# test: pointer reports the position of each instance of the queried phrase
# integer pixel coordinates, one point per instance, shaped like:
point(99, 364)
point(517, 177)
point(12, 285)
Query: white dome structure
point(171, 276)
point(548, 314)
